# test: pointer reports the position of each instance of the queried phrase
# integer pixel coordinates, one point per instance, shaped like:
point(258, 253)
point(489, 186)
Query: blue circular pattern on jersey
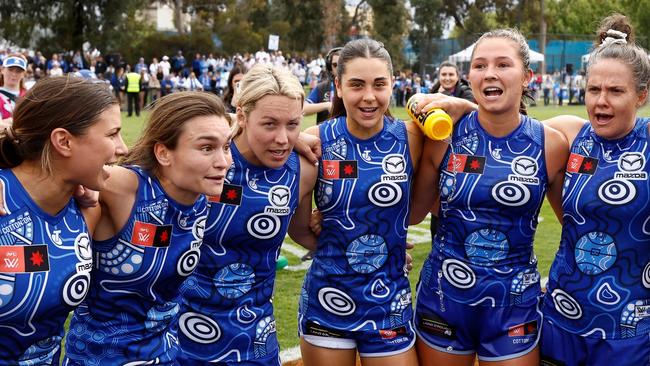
point(486, 246)
point(367, 253)
point(595, 253)
point(234, 280)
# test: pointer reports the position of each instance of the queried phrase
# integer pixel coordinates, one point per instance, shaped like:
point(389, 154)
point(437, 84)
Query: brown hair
point(620, 46)
point(22, 81)
point(166, 121)
point(67, 102)
point(360, 48)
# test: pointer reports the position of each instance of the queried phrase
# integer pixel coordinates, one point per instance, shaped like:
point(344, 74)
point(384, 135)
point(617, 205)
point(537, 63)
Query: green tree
point(389, 26)
point(427, 21)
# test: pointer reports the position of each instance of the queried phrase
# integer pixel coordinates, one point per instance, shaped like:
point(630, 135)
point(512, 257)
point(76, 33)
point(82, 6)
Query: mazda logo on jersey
point(524, 165)
point(631, 162)
point(525, 169)
point(394, 164)
point(631, 166)
point(279, 196)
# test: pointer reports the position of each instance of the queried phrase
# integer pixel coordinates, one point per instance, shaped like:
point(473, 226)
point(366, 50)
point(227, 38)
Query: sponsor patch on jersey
point(523, 330)
point(393, 333)
point(642, 311)
point(462, 163)
point(279, 197)
point(151, 235)
point(581, 164)
point(231, 194)
point(321, 331)
point(24, 258)
point(435, 325)
point(340, 169)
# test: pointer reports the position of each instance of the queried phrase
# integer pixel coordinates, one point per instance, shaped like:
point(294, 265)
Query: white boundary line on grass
point(290, 354)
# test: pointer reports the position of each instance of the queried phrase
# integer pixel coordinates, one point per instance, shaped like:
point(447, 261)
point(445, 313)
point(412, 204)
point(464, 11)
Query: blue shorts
point(369, 343)
point(493, 333)
point(562, 348)
point(272, 360)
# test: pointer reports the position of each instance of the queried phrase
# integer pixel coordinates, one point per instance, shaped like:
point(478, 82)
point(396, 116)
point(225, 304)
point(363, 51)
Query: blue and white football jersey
point(357, 280)
point(599, 283)
point(130, 316)
point(227, 314)
point(45, 264)
point(491, 191)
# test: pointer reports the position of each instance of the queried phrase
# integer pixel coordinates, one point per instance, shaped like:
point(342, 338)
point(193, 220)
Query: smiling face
point(365, 88)
point(497, 76)
point(270, 130)
point(99, 146)
point(199, 161)
point(612, 99)
point(448, 77)
point(12, 76)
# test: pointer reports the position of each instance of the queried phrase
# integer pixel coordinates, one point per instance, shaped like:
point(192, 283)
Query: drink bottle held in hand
point(436, 124)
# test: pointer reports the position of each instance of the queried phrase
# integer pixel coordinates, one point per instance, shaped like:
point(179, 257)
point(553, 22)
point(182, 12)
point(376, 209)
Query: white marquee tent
point(466, 55)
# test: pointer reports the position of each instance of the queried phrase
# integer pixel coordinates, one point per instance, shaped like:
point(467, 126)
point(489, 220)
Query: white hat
point(15, 61)
point(165, 58)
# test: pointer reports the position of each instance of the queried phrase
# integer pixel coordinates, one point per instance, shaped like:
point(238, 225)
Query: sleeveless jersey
point(491, 191)
point(130, 314)
point(227, 314)
point(599, 283)
point(45, 264)
point(357, 280)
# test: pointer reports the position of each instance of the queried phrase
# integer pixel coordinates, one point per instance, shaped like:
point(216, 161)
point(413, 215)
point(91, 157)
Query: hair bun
point(616, 27)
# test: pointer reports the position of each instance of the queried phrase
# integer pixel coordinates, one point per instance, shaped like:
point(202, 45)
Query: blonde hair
point(262, 80)
point(166, 122)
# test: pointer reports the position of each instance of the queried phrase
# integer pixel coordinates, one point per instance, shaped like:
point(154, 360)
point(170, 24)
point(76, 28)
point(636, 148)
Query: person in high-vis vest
point(133, 92)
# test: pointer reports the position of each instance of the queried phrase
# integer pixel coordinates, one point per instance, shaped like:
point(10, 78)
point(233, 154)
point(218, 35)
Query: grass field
point(289, 281)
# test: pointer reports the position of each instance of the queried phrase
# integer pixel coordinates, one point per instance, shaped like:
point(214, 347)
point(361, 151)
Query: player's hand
point(409, 259)
point(455, 107)
point(86, 198)
point(309, 147)
point(315, 221)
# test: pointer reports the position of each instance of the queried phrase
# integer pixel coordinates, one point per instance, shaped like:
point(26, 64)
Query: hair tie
point(11, 134)
point(614, 37)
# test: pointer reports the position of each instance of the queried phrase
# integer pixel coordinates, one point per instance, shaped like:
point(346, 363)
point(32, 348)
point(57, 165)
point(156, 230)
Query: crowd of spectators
point(162, 75)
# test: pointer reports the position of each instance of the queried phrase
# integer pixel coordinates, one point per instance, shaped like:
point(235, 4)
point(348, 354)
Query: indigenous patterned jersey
point(357, 280)
point(491, 190)
point(227, 314)
point(599, 283)
point(131, 312)
point(45, 264)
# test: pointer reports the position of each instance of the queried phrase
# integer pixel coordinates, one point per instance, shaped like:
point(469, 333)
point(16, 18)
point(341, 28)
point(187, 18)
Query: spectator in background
point(165, 66)
point(12, 85)
point(320, 99)
point(236, 74)
point(154, 87)
point(167, 85)
point(547, 88)
point(450, 83)
point(179, 62)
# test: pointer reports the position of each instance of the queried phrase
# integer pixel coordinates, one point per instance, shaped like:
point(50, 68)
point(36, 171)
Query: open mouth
point(492, 91)
point(277, 153)
point(603, 118)
point(216, 178)
point(368, 110)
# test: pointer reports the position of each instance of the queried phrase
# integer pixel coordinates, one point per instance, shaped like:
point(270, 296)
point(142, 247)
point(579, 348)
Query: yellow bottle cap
point(438, 125)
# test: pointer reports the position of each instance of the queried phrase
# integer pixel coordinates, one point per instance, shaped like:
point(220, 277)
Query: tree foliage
point(389, 26)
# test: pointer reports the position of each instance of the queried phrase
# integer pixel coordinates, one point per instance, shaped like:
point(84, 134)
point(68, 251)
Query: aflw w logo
point(144, 236)
point(11, 262)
